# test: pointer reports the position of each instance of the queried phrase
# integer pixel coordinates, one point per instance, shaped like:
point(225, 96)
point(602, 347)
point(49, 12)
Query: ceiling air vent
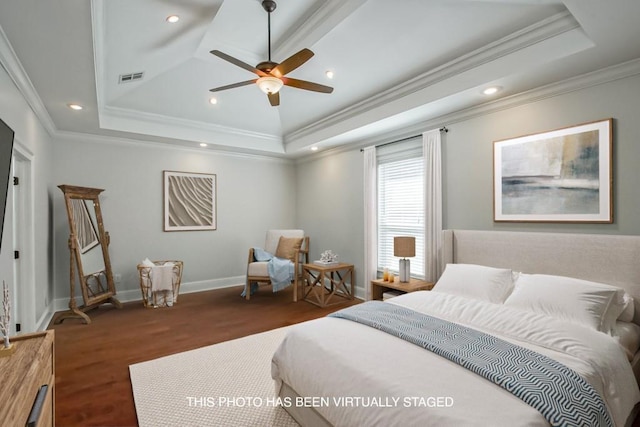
point(128, 78)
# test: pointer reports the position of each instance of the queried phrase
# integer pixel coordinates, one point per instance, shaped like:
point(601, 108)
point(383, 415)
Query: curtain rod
point(442, 129)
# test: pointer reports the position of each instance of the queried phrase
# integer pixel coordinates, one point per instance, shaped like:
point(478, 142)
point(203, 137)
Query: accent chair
point(291, 244)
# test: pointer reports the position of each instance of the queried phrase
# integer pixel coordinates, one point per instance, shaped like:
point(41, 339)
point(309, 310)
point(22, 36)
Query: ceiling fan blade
point(231, 86)
point(303, 84)
point(274, 99)
point(239, 63)
point(292, 62)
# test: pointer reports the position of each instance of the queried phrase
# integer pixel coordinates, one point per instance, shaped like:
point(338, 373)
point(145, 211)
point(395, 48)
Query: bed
point(566, 299)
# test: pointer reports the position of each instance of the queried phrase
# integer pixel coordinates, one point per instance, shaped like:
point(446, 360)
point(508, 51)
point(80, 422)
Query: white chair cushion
point(273, 237)
point(258, 269)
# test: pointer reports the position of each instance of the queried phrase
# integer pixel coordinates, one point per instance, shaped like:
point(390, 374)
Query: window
point(401, 202)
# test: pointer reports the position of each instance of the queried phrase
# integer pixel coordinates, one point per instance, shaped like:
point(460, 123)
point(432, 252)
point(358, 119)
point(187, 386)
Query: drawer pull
point(36, 409)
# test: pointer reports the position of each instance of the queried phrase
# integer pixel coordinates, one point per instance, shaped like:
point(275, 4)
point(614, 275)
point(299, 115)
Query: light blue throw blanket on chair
point(280, 271)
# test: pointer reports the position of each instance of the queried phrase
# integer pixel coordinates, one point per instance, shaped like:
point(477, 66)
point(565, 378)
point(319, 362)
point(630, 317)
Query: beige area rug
point(226, 384)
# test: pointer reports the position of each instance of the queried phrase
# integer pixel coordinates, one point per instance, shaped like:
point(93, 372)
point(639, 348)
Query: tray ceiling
point(396, 64)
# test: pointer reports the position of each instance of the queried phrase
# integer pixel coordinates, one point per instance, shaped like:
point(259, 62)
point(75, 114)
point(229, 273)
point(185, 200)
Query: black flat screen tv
point(6, 153)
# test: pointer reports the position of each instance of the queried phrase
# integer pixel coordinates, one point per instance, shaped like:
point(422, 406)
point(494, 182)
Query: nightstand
point(325, 285)
point(379, 286)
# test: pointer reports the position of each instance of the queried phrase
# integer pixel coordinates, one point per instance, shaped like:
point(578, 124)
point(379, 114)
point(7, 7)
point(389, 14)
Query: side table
point(325, 285)
point(379, 286)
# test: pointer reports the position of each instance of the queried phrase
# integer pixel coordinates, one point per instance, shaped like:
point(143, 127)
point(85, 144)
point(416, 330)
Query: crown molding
point(84, 138)
point(545, 29)
point(572, 84)
point(584, 81)
point(321, 20)
point(9, 60)
point(155, 119)
point(120, 119)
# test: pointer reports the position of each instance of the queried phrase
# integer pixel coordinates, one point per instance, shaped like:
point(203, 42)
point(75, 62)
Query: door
point(23, 304)
point(16, 323)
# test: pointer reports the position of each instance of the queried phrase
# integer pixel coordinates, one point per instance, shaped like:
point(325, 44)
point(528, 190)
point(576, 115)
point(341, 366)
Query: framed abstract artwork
point(189, 201)
point(563, 175)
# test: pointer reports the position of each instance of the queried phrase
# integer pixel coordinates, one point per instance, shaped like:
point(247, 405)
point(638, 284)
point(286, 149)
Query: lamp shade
point(404, 246)
point(269, 84)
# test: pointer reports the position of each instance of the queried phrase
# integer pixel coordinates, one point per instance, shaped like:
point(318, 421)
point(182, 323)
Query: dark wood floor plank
point(93, 387)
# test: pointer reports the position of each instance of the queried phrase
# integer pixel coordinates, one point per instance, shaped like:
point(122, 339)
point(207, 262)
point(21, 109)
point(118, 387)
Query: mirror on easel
point(88, 246)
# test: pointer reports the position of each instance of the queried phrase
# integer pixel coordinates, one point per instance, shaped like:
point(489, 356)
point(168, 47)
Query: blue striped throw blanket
point(562, 396)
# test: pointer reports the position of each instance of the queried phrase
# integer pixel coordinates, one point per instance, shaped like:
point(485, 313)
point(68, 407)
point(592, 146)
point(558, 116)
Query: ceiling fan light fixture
point(269, 84)
point(172, 19)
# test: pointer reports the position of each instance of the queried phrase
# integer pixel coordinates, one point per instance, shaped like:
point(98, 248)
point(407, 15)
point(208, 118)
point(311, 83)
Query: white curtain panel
point(370, 219)
point(431, 146)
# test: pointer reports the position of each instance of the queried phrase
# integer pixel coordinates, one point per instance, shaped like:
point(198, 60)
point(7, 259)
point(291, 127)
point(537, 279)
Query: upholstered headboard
point(611, 259)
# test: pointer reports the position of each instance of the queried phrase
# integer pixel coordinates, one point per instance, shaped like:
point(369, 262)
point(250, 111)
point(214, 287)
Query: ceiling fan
point(271, 75)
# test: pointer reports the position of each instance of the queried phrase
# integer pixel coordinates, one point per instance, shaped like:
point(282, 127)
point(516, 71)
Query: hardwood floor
point(92, 361)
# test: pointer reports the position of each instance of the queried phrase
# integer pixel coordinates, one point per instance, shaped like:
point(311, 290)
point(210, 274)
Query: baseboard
point(45, 319)
point(207, 285)
point(129, 295)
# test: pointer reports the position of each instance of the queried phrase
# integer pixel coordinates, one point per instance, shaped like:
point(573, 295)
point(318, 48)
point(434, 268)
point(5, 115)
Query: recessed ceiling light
point(202, 144)
point(491, 90)
point(213, 101)
point(329, 74)
point(314, 148)
point(76, 107)
point(172, 19)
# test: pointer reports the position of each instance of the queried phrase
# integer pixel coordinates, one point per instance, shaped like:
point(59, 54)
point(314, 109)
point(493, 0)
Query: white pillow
point(590, 304)
point(476, 281)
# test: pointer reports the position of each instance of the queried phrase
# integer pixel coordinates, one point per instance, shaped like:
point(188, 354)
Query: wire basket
point(156, 299)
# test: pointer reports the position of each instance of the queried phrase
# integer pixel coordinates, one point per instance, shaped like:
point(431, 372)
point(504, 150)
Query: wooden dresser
point(28, 380)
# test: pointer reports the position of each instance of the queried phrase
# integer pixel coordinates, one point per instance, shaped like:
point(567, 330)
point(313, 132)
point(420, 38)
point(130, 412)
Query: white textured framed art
point(189, 201)
point(563, 175)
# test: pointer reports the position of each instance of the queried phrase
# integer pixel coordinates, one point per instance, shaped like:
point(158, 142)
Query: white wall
point(331, 207)
point(468, 154)
point(330, 201)
point(33, 139)
point(254, 194)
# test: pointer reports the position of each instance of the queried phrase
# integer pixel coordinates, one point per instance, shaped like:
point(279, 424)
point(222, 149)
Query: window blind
point(401, 204)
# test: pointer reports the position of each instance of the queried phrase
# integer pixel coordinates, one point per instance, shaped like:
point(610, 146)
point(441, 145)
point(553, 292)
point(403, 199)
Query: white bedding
point(361, 376)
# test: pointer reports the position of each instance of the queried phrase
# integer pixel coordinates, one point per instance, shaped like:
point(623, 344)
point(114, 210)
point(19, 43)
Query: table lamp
point(404, 247)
